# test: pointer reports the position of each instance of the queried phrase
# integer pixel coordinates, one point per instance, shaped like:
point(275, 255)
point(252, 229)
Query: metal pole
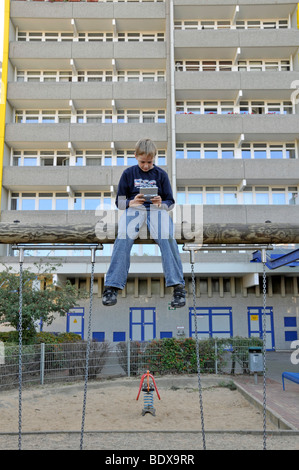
point(42, 363)
point(21, 260)
point(264, 259)
point(216, 357)
point(88, 345)
point(129, 358)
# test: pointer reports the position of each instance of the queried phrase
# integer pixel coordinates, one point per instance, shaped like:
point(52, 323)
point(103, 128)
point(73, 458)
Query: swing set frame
point(213, 237)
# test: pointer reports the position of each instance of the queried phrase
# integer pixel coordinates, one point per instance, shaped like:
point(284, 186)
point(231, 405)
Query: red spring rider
point(148, 389)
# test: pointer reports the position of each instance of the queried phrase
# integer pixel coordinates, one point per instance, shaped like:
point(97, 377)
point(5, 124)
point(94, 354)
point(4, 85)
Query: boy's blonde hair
point(145, 147)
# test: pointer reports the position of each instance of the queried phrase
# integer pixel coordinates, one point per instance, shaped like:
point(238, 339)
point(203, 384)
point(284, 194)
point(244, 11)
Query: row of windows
point(60, 201)
point(91, 76)
point(213, 195)
point(90, 116)
point(81, 158)
point(149, 75)
point(231, 195)
point(89, 37)
point(250, 65)
point(127, 158)
point(229, 107)
point(150, 116)
point(230, 150)
point(159, 36)
point(228, 24)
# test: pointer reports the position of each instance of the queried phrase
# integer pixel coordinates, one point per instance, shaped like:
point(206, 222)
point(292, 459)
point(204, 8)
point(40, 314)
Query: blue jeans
point(161, 230)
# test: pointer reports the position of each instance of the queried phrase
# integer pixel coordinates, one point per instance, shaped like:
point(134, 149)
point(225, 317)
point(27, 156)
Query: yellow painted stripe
point(298, 15)
point(4, 87)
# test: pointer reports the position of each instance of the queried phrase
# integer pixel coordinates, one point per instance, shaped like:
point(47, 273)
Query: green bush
point(177, 356)
point(52, 338)
point(42, 337)
point(9, 336)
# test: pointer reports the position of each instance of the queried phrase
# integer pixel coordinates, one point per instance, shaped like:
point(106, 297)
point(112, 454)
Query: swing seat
point(293, 376)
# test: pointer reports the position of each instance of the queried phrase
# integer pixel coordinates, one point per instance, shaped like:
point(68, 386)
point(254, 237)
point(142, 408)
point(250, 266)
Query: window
point(205, 150)
point(210, 151)
point(95, 76)
point(227, 24)
point(228, 107)
point(193, 150)
point(272, 151)
point(133, 116)
point(60, 201)
point(231, 195)
point(264, 65)
point(90, 37)
point(90, 116)
point(40, 158)
point(137, 37)
point(204, 65)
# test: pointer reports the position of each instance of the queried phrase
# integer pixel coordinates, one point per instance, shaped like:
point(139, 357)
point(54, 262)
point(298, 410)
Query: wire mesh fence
point(63, 362)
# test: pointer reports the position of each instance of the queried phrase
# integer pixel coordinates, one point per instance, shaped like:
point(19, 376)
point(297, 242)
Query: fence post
point(2, 353)
point(216, 356)
point(42, 363)
point(129, 357)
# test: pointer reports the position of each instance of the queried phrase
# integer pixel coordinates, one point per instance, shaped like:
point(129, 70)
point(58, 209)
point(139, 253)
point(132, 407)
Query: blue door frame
point(257, 330)
point(142, 322)
point(75, 312)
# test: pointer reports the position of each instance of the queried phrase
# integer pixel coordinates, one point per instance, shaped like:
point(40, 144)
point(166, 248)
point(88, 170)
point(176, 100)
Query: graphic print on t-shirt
point(140, 183)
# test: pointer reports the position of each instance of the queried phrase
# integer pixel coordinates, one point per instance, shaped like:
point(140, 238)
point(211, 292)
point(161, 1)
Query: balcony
point(227, 9)
point(257, 44)
point(52, 16)
point(86, 95)
point(82, 136)
point(87, 55)
point(47, 178)
point(230, 128)
point(234, 171)
point(226, 86)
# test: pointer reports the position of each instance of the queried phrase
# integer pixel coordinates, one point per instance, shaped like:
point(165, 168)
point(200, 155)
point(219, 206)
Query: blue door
point(255, 325)
point(142, 323)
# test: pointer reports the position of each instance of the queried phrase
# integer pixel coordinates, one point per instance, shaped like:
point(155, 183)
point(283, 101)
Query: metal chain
point(87, 347)
point(20, 347)
point(197, 357)
point(264, 353)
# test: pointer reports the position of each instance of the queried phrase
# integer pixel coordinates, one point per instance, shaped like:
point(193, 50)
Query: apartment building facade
point(216, 86)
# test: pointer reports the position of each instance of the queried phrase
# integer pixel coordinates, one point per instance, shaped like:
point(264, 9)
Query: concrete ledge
point(274, 417)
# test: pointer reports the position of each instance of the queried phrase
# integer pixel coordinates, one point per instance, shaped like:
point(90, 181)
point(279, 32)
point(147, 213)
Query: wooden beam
point(211, 234)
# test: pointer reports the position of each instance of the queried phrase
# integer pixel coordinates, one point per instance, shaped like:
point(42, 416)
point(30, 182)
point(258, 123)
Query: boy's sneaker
point(109, 296)
point(179, 294)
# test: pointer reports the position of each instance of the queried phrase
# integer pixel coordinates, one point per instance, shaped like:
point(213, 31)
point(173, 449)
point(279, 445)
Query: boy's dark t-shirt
point(133, 178)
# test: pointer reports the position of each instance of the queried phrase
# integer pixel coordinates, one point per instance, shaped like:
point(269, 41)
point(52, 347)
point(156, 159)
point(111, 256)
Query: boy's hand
point(156, 200)
point(137, 201)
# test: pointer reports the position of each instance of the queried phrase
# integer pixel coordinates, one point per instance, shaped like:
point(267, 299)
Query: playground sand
point(112, 406)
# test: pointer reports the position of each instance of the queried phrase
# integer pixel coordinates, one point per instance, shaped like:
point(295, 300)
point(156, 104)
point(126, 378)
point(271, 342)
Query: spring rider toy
point(148, 390)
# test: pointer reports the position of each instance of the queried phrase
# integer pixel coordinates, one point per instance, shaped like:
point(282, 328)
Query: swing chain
point(20, 346)
point(197, 354)
point(87, 347)
point(264, 352)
